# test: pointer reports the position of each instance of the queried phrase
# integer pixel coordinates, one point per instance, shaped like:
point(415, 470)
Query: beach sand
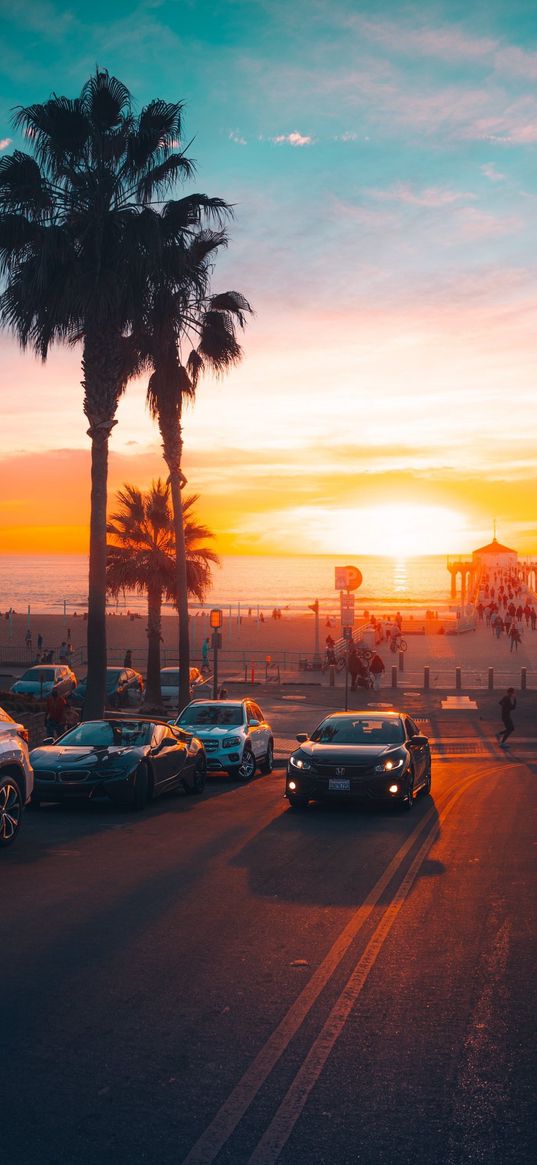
point(286, 641)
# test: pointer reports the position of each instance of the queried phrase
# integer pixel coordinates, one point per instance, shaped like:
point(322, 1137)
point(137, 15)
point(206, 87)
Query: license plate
point(339, 785)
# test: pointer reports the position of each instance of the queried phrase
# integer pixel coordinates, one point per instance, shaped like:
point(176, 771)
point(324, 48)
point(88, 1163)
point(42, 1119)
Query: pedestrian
point(377, 669)
point(507, 704)
point(64, 653)
point(28, 639)
point(127, 662)
point(205, 654)
point(40, 642)
point(56, 714)
point(515, 637)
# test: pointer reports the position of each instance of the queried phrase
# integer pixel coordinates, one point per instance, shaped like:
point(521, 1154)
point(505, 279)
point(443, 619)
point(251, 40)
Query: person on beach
point(507, 705)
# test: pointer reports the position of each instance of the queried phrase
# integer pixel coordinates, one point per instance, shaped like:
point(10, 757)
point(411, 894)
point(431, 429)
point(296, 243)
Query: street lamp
point(216, 618)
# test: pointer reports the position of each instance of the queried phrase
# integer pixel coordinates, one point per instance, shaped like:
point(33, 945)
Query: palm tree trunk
point(153, 693)
point(95, 693)
point(182, 586)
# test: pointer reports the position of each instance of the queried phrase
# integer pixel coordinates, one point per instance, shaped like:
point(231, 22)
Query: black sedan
point(124, 689)
point(372, 756)
point(129, 761)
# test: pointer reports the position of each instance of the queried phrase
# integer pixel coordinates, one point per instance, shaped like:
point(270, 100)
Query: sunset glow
point(383, 234)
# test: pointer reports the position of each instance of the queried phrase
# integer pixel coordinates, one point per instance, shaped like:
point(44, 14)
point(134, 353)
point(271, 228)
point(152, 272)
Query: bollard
point(394, 677)
point(523, 678)
point(458, 681)
point(332, 675)
point(491, 679)
point(426, 679)
point(401, 661)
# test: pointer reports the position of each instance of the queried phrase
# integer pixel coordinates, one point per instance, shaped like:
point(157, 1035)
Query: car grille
point(74, 775)
point(210, 745)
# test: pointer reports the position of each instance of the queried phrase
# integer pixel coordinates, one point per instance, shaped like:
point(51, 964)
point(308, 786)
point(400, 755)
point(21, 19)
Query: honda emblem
point(340, 772)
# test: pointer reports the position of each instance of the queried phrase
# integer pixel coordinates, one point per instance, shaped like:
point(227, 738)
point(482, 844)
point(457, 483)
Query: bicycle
point(397, 643)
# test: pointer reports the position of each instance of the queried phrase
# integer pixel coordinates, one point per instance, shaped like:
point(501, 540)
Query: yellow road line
point(207, 1147)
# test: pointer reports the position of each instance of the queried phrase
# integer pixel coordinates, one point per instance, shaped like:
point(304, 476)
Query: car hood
point(32, 686)
point(351, 754)
point(212, 731)
point(58, 756)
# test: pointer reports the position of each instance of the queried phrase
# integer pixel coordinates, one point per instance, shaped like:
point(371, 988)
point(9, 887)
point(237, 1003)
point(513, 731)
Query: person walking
point(377, 669)
point(127, 662)
point(56, 714)
point(205, 655)
point(507, 705)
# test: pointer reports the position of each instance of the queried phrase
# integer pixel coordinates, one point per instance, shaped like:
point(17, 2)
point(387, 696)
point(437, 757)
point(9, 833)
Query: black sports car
point(377, 756)
point(128, 760)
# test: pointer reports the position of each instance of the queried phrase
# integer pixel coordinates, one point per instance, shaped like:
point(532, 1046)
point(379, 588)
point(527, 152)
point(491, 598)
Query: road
point(224, 979)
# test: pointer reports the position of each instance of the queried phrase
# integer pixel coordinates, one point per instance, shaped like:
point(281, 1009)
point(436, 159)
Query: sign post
point(216, 619)
point(347, 579)
point(317, 647)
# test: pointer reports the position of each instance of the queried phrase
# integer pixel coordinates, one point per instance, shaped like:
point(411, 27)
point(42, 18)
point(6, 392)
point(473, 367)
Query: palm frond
point(161, 178)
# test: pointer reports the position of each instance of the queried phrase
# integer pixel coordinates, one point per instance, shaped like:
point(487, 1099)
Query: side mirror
point(419, 739)
point(48, 740)
point(302, 737)
point(254, 723)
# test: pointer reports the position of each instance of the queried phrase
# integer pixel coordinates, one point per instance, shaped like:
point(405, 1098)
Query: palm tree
point(80, 220)
point(141, 557)
point(179, 313)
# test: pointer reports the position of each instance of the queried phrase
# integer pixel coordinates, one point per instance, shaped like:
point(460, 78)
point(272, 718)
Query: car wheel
point(409, 799)
point(10, 810)
point(247, 767)
point(140, 793)
point(267, 764)
point(199, 777)
point(296, 801)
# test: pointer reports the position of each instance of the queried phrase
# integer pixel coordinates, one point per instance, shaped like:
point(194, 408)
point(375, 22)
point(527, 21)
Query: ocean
point(54, 583)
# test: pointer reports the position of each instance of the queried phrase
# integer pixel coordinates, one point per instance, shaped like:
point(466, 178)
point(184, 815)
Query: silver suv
point(235, 734)
point(16, 777)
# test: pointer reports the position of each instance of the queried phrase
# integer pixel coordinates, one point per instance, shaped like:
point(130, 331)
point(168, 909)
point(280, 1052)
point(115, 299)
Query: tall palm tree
point(141, 557)
point(178, 314)
point(80, 220)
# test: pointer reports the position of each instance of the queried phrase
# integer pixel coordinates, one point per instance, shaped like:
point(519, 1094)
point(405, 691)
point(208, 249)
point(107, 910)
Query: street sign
point(348, 578)
point(347, 610)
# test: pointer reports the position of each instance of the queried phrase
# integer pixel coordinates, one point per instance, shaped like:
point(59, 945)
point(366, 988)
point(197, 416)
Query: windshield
point(108, 734)
point(212, 714)
point(169, 679)
point(362, 730)
point(39, 675)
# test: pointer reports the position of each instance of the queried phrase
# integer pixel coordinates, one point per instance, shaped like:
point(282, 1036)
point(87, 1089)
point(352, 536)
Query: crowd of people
point(507, 607)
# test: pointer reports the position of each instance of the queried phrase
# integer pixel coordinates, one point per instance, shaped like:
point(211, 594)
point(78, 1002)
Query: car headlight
point(298, 762)
point(390, 765)
point(231, 741)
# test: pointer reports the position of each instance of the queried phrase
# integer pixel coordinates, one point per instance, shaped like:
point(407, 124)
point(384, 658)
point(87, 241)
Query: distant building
point(494, 556)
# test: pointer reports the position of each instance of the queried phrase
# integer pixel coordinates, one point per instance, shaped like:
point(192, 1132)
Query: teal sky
point(382, 162)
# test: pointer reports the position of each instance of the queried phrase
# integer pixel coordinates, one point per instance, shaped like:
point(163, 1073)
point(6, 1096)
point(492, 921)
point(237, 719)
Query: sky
point(381, 160)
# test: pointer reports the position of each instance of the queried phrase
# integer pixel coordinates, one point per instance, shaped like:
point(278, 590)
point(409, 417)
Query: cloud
point(236, 136)
point(433, 197)
point(490, 172)
point(4, 143)
point(293, 139)
point(474, 224)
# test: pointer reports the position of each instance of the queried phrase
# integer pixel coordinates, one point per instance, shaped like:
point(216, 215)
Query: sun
point(397, 530)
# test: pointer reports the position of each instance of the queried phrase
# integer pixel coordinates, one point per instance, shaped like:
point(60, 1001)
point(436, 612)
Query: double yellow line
point(269, 1147)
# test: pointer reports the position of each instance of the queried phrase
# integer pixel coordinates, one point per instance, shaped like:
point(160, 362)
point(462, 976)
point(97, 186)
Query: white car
point(16, 777)
point(235, 735)
point(169, 684)
point(39, 681)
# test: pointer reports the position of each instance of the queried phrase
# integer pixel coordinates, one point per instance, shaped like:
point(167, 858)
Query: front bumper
point(361, 785)
point(53, 786)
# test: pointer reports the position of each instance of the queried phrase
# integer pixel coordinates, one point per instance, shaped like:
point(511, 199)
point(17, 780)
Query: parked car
point(235, 735)
point(16, 777)
point(127, 760)
point(39, 681)
point(124, 689)
point(375, 756)
point(169, 683)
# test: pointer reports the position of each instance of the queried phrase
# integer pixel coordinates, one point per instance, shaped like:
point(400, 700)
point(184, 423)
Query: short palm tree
point(80, 221)
point(178, 314)
point(141, 557)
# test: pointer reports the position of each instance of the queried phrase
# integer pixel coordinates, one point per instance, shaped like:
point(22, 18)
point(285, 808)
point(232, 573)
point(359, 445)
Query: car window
point(411, 728)
point(255, 713)
point(158, 734)
point(108, 734)
point(169, 679)
point(39, 675)
point(212, 714)
point(358, 730)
